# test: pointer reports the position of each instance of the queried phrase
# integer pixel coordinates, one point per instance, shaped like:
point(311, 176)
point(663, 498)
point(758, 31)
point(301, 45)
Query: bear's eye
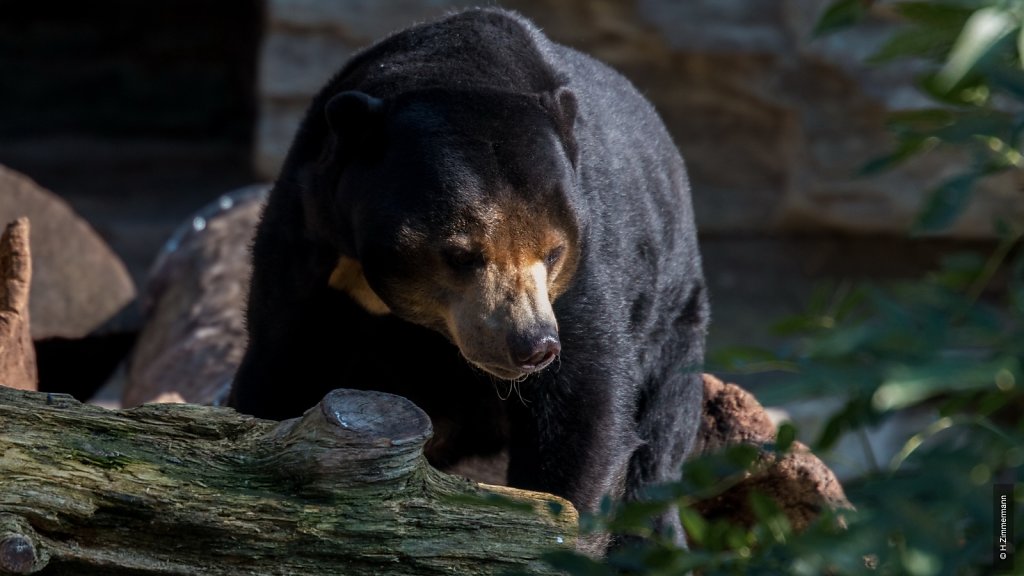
point(554, 256)
point(464, 260)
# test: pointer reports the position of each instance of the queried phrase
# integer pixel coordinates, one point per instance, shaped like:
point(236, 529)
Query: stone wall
point(773, 123)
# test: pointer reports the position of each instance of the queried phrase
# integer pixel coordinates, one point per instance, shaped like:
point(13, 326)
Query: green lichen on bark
point(181, 489)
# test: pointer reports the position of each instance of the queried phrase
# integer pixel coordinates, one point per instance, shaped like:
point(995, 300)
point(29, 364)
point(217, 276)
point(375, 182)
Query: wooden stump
point(183, 489)
point(17, 354)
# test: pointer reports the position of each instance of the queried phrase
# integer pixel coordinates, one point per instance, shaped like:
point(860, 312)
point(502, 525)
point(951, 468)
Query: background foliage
point(951, 342)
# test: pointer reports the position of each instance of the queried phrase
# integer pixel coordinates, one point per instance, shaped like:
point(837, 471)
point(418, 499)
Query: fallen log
point(185, 489)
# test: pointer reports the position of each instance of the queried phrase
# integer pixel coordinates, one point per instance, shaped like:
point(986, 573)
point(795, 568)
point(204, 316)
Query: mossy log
point(186, 489)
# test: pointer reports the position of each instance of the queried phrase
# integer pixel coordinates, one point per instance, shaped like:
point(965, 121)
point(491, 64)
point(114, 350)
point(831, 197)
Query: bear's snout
point(533, 351)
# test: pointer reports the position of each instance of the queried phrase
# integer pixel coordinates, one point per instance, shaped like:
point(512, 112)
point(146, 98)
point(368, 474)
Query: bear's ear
point(355, 118)
point(563, 107)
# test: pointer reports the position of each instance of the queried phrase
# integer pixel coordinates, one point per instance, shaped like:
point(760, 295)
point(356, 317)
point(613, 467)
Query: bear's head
point(457, 211)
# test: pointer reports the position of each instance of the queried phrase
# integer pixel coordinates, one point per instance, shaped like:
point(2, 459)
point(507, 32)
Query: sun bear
point(498, 228)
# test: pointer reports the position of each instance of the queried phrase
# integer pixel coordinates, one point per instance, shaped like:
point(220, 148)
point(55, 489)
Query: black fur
point(619, 408)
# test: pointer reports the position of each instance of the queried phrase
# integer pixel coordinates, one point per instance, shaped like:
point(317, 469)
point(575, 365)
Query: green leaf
point(746, 359)
point(736, 538)
point(1020, 46)
point(991, 402)
point(634, 517)
point(703, 475)
point(830, 435)
point(907, 385)
point(785, 437)
point(907, 148)
point(856, 413)
point(926, 119)
point(645, 559)
point(934, 14)
point(839, 15)
point(945, 204)
point(770, 516)
point(959, 270)
point(576, 564)
point(970, 125)
point(794, 325)
point(918, 41)
point(841, 342)
point(695, 525)
point(742, 456)
point(964, 95)
point(982, 32)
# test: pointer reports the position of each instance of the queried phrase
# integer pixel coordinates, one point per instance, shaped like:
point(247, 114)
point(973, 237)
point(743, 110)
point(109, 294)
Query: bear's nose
point(532, 352)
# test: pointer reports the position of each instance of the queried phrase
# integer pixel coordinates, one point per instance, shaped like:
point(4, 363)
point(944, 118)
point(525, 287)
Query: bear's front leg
point(289, 316)
point(667, 421)
point(669, 410)
point(572, 442)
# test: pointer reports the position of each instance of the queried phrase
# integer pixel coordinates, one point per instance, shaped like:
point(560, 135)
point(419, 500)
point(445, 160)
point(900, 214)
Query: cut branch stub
point(18, 554)
point(352, 437)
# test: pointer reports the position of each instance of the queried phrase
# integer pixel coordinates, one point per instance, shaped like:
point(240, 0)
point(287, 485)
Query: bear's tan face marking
point(499, 274)
point(507, 273)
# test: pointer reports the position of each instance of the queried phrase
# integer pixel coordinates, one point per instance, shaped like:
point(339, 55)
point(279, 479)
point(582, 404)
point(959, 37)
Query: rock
point(17, 355)
point(194, 334)
point(79, 284)
point(800, 483)
point(731, 416)
point(774, 124)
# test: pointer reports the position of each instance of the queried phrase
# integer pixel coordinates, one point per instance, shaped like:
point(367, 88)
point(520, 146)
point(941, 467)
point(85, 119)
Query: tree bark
point(184, 489)
point(17, 354)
